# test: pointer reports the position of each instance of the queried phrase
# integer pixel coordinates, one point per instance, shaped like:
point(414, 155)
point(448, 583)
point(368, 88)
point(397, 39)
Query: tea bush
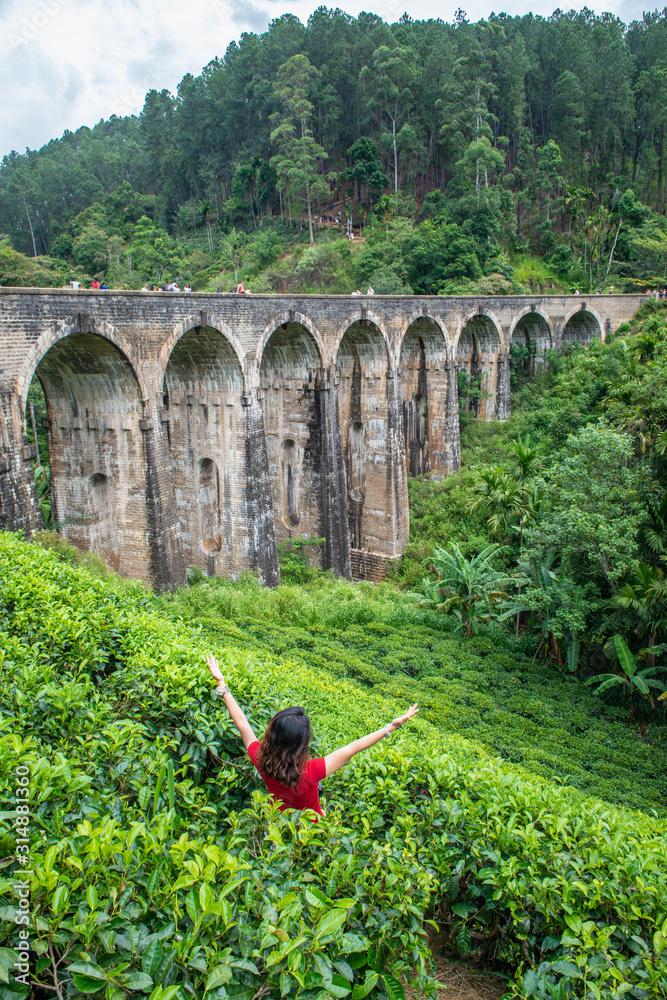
point(486, 689)
point(159, 866)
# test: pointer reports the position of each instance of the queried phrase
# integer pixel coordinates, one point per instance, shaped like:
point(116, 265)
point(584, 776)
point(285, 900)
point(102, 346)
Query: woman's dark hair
point(284, 749)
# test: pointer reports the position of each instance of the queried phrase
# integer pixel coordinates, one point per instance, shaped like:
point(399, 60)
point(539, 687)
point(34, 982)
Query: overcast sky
point(66, 63)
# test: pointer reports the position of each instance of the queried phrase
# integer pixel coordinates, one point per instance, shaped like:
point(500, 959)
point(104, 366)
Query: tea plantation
point(159, 868)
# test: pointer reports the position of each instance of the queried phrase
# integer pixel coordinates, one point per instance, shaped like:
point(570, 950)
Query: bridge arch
point(362, 317)
point(285, 318)
point(204, 420)
point(193, 322)
point(424, 383)
point(530, 337)
point(477, 362)
point(80, 323)
point(97, 451)
point(582, 325)
point(290, 386)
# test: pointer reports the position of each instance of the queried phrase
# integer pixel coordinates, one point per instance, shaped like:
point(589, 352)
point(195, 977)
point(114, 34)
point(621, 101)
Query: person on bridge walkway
point(282, 757)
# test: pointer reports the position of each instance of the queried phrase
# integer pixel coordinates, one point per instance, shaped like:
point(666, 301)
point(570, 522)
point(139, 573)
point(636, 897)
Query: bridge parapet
point(199, 429)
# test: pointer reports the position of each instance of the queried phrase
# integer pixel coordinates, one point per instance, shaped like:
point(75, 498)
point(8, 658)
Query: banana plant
point(465, 586)
point(629, 677)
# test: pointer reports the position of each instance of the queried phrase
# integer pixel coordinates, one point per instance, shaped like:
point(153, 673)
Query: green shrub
point(157, 863)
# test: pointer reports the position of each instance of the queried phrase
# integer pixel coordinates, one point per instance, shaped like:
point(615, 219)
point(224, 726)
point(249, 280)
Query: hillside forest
point(515, 153)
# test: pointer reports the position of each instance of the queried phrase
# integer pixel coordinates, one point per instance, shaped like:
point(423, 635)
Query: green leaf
point(625, 657)
point(158, 786)
point(565, 968)
point(330, 923)
point(315, 897)
point(86, 984)
point(172, 787)
point(324, 965)
point(344, 969)
point(393, 988)
point(138, 981)
point(362, 990)
point(339, 987)
point(220, 975)
point(354, 943)
point(464, 941)
point(152, 957)
point(530, 983)
point(206, 898)
point(159, 993)
point(87, 969)
point(60, 899)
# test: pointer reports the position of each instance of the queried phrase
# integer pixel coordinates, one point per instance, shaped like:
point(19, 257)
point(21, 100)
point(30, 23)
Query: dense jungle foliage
point(512, 153)
point(158, 865)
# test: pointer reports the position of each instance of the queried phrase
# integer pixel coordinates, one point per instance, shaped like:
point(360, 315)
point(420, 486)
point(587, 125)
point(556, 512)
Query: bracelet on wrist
point(387, 730)
point(222, 691)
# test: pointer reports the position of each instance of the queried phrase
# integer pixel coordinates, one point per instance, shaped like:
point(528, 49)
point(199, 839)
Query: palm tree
point(653, 532)
point(646, 595)
point(462, 585)
point(500, 497)
point(526, 458)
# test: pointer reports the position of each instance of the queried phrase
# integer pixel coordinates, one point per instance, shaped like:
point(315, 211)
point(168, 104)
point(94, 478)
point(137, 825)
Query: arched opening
point(581, 328)
point(94, 450)
point(290, 374)
point(205, 423)
point(430, 447)
point(362, 367)
point(531, 339)
point(477, 367)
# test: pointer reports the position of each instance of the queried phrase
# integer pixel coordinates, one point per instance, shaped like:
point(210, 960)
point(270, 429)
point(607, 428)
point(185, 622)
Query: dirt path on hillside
point(465, 982)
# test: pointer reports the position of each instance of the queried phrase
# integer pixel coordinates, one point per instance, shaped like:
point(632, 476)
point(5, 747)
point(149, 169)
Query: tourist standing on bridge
point(282, 757)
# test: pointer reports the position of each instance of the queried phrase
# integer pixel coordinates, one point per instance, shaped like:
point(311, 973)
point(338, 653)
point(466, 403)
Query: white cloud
point(66, 63)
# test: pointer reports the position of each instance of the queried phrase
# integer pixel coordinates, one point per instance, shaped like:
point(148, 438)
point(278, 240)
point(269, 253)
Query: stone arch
point(290, 380)
point(365, 387)
point(477, 357)
point(282, 320)
point(97, 452)
point(486, 322)
point(530, 337)
point(204, 420)
point(67, 328)
point(193, 322)
point(582, 325)
point(424, 376)
point(361, 317)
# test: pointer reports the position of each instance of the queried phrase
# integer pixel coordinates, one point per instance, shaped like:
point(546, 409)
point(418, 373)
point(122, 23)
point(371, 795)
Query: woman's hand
point(397, 723)
point(214, 668)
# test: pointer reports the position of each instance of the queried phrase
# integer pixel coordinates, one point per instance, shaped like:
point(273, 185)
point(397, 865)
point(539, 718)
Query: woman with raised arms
point(283, 758)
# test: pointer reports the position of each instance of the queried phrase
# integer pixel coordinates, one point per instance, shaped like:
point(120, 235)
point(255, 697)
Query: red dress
point(305, 795)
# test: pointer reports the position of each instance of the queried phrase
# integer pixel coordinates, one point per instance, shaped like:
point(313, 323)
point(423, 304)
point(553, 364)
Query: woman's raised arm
point(238, 718)
point(339, 758)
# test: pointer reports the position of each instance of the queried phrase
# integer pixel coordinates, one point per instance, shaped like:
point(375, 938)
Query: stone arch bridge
point(200, 429)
